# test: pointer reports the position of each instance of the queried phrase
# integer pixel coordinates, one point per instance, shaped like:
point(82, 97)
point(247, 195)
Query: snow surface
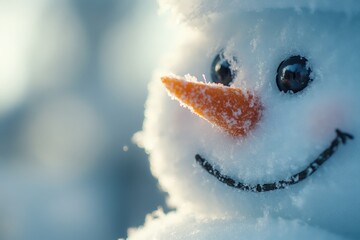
point(178, 226)
point(293, 131)
point(192, 11)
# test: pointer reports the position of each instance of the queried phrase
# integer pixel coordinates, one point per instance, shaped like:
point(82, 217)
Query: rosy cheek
point(325, 118)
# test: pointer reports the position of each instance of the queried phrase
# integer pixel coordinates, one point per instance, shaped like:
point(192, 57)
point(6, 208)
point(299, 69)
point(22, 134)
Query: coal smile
point(340, 139)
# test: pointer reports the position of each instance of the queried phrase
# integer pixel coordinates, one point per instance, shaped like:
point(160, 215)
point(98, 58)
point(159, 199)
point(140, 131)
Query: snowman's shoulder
point(178, 226)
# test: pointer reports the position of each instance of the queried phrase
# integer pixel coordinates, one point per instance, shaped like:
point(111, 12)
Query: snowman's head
point(282, 124)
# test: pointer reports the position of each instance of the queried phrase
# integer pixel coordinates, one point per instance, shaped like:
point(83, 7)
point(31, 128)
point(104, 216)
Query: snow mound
point(181, 226)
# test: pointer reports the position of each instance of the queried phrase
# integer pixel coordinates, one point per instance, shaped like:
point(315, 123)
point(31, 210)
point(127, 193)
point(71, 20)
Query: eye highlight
point(221, 71)
point(293, 74)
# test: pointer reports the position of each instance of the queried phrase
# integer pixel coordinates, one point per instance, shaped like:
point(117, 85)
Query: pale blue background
point(73, 75)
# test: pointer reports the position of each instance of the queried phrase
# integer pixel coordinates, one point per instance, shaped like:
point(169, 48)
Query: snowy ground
point(73, 81)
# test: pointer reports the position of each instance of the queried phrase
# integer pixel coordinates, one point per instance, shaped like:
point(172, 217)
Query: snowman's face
point(293, 131)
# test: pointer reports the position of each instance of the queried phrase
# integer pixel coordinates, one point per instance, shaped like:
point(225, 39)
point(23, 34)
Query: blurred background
point(73, 83)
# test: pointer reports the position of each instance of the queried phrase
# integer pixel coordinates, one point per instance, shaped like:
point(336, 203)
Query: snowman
point(253, 129)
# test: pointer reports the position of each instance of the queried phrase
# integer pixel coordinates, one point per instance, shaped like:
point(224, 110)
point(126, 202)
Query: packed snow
point(293, 130)
point(182, 225)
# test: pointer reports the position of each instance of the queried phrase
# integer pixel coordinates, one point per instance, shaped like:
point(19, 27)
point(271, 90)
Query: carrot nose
point(229, 108)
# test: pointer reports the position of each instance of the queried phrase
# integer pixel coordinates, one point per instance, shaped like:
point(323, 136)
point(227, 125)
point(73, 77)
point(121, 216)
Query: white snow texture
point(293, 130)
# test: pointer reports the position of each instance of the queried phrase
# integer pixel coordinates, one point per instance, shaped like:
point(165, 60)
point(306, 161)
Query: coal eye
point(293, 74)
point(221, 71)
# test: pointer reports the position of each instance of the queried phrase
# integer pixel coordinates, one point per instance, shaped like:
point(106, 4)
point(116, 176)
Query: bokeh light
point(73, 83)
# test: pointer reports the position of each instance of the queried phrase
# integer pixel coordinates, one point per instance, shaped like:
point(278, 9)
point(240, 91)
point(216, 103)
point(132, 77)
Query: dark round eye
point(220, 70)
point(293, 74)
